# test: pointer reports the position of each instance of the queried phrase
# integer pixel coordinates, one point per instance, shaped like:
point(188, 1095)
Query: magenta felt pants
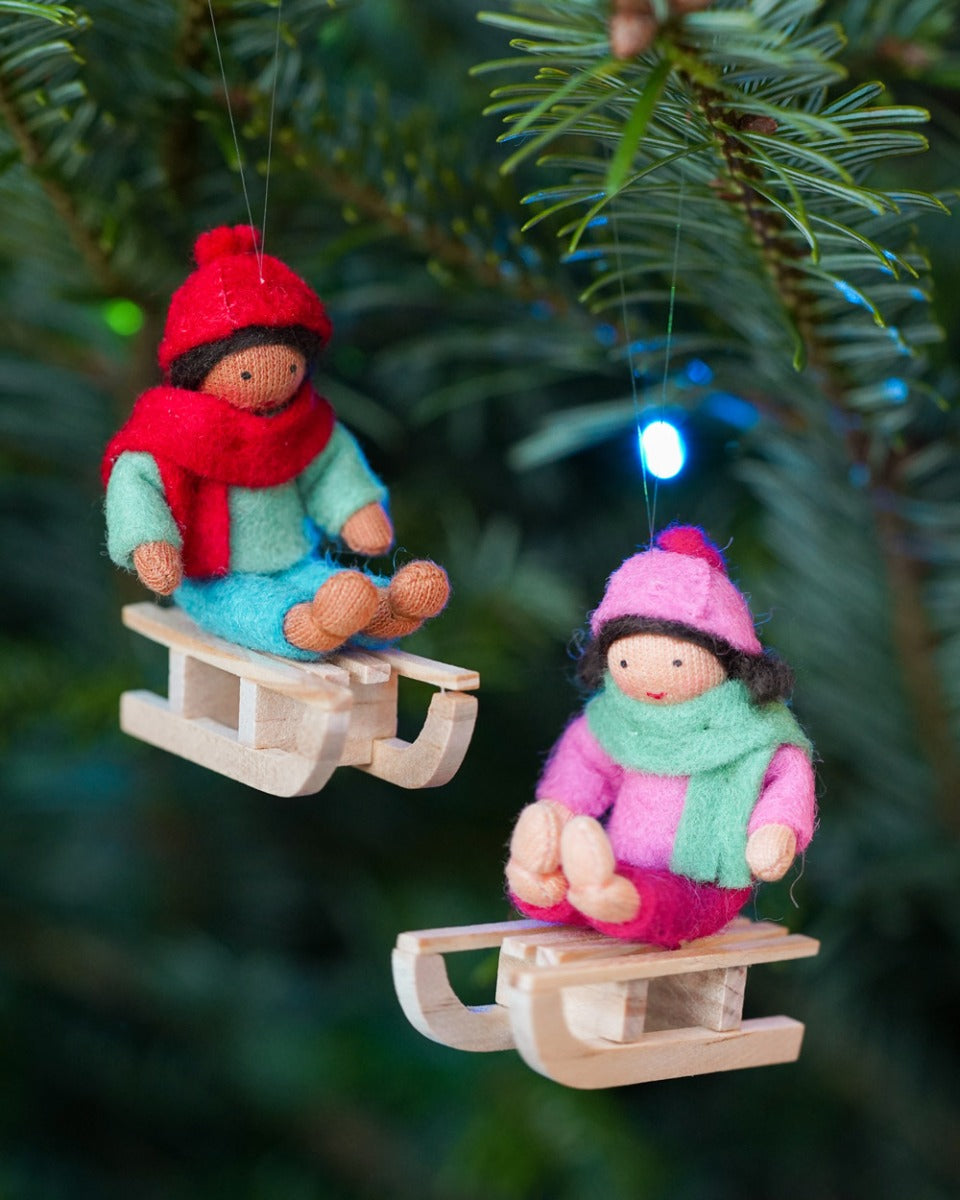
point(673, 908)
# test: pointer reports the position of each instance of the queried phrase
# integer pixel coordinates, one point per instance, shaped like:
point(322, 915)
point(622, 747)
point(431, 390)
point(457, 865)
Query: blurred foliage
point(194, 978)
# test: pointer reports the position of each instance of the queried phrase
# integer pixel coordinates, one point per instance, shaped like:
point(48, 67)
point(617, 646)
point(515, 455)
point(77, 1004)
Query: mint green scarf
point(723, 742)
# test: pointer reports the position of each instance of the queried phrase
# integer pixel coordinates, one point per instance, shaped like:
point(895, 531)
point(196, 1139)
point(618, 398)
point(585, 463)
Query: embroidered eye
point(623, 663)
point(678, 662)
point(245, 375)
point(293, 368)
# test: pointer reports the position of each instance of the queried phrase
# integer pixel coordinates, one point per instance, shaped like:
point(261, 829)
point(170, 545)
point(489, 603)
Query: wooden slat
point(559, 954)
point(435, 755)
point(538, 946)
point(432, 1007)
point(704, 957)
point(441, 675)
point(172, 627)
point(713, 999)
point(210, 744)
point(451, 938)
point(197, 689)
point(546, 1044)
point(615, 1012)
point(571, 943)
point(374, 717)
point(327, 671)
point(362, 665)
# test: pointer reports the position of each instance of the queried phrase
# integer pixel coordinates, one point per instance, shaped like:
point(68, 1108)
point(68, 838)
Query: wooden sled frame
point(284, 726)
point(589, 1011)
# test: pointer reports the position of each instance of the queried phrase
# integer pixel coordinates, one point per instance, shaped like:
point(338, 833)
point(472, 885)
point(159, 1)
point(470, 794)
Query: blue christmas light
point(699, 372)
point(896, 390)
point(584, 253)
point(895, 336)
point(849, 293)
point(646, 345)
point(732, 410)
point(662, 449)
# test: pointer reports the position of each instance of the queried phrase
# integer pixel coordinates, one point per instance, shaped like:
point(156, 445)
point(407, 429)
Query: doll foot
point(543, 890)
point(418, 590)
point(342, 607)
point(535, 842)
point(590, 867)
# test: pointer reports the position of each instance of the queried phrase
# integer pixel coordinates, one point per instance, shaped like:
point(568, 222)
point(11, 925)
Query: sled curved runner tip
point(284, 726)
point(590, 1011)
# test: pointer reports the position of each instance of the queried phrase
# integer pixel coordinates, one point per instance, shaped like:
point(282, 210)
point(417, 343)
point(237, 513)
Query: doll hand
point(368, 531)
point(159, 566)
point(770, 851)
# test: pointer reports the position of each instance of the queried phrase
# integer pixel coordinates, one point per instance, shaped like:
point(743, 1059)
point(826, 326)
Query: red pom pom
point(224, 241)
point(688, 539)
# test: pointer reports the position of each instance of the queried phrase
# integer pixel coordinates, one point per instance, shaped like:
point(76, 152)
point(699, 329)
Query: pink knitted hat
point(235, 286)
point(681, 578)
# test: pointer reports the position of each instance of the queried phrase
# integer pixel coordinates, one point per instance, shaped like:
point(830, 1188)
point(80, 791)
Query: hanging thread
point(233, 126)
point(633, 378)
point(273, 108)
point(651, 506)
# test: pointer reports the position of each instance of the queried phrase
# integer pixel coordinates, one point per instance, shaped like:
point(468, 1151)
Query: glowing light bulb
point(123, 316)
point(662, 449)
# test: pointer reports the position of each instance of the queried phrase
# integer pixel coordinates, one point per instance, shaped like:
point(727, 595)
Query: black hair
point(192, 367)
point(766, 676)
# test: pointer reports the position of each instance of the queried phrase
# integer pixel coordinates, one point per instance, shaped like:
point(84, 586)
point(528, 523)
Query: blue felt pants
point(249, 609)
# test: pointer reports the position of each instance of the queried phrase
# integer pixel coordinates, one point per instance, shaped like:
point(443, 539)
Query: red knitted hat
point(235, 286)
point(682, 577)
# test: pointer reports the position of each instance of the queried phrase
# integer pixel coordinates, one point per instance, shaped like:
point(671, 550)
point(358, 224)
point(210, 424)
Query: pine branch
point(446, 245)
point(59, 14)
point(40, 92)
point(708, 142)
point(729, 126)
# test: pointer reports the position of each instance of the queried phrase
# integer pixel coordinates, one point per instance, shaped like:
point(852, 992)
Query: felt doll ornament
point(686, 749)
point(684, 781)
point(225, 480)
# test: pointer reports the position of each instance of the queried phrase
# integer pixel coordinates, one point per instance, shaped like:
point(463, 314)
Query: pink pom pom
point(224, 241)
point(689, 540)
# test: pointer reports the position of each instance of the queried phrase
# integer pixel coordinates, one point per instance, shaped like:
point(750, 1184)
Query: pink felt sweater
point(645, 809)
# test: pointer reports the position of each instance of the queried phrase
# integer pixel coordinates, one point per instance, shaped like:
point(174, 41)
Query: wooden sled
point(589, 1011)
point(284, 726)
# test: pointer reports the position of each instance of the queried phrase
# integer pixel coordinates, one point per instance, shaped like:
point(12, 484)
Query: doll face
point(659, 669)
point(258, 379)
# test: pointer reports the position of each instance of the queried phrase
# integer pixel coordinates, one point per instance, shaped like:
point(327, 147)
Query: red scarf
point(203, 446)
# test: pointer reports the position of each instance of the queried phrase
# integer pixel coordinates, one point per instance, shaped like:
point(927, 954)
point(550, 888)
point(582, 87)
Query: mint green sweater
point(268, 526)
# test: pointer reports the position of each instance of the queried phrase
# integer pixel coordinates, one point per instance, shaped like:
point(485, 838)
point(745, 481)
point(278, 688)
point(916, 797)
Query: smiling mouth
point(656, 695)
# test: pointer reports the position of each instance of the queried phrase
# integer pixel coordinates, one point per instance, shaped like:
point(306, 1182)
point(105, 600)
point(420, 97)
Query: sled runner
point(590, 1011)
point(284, 726)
